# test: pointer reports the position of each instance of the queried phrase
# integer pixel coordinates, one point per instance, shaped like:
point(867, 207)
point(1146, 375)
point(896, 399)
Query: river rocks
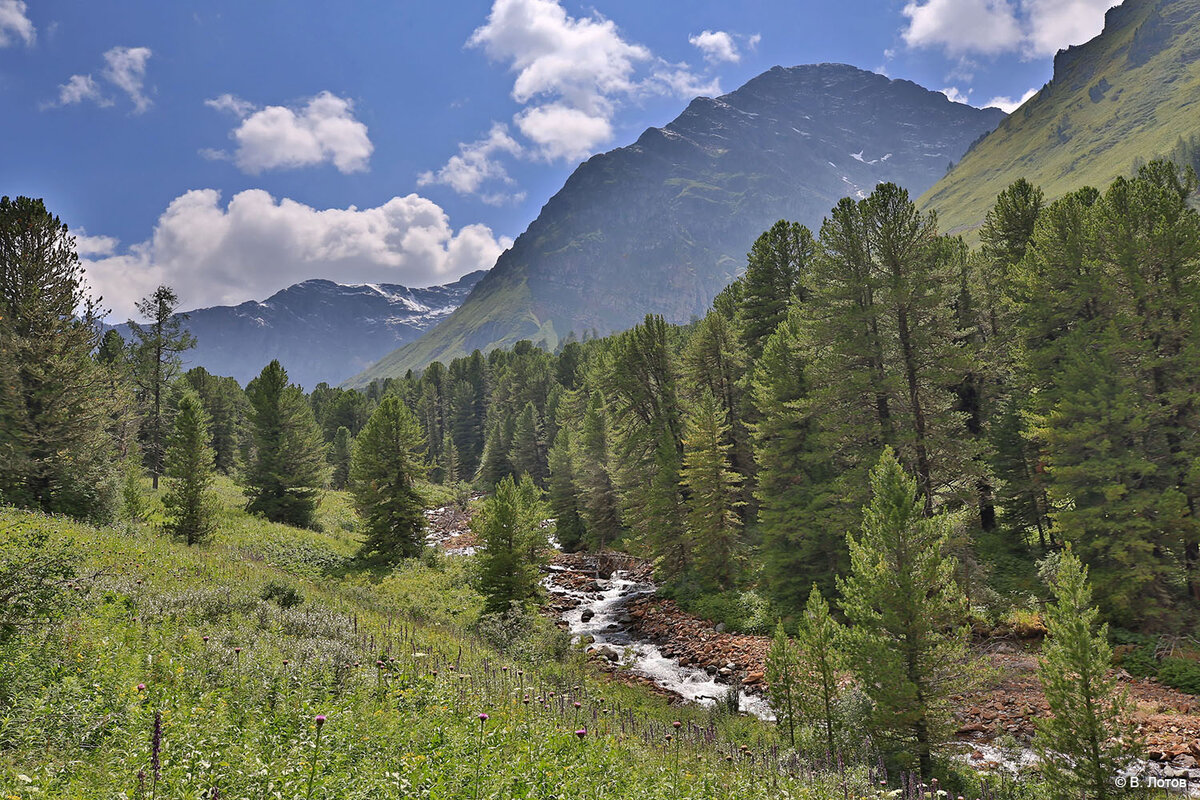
point(587, 615)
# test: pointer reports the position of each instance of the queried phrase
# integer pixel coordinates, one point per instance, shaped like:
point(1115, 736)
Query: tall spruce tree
point(288, 470)
point(564, 494)
point(156, 348)
point(188, 466)
point(801, 526)
point(514, 543)
point(714, 526)
point(1090, 735)
point(783, 682)
point(821, 660)
point(600, 506)
point(527, 456)
point(387, 462)
point(340, 457)
point(777, 261)
point(908, 641)
point(55, 400)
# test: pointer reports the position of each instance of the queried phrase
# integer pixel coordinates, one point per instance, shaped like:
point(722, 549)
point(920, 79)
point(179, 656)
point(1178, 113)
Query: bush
point(524, 635)
point(284, 595)
point(1180, 673)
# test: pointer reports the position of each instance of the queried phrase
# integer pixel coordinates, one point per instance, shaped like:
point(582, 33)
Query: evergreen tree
point(600, 509)
point(340, 457)
point(821, 660)
point(1089, 736)
point(494, 465)
point(228, 413)
point(288, 469)
point(56, 402)
point(526, 455)
point(514, 544)
point(777, 261)
point(156, 348)
point(449, 462)
point(800, 525)
point(383, 473)
point(783, 682)
point(563, 494)
point(713, 524)
point(907, 646)
point(189, 468)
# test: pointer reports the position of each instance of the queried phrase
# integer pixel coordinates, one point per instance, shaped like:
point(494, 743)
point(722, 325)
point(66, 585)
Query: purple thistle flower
point(483, 718)
point(320, 720)
point(582, 732)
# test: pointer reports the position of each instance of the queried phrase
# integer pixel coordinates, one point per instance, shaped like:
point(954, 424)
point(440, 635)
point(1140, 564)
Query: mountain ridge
point(661, 225)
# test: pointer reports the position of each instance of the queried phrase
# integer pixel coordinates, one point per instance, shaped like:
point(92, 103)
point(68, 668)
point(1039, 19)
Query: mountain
point(319, 330)
point(1128, 95)
point(662, 225)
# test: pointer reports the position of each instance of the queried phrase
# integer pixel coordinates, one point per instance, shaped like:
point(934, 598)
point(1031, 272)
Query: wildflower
point(141, 687)
point(320, 720)
point(578, 704)
point(206, 642)
point(677, 724)
point(483, 717)
point(582, 732)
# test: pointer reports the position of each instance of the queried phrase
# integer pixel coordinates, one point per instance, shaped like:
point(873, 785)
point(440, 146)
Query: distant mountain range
point(1127, 96)
point(319, 330)
point(662, 225)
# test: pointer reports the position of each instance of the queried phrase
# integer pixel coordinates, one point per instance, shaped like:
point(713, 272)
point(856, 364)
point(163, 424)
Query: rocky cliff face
point(319, 330)
point(662, 225)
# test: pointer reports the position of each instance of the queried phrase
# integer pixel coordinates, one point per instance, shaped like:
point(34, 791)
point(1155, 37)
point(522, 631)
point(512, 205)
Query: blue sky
point(231, 148)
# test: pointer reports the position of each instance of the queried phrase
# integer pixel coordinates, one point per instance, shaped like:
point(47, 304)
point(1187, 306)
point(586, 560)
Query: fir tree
point(564, 494)
point(821, 660)
point(802, 531)
point(907, 646)
point(340, 456)
point(514, 544)
point(778, 260)
point(783, 682)
point(156, 348)
point(383, 479)
point(56, 402)
point(189, 468)
point(1089, 736)
point(713, 524)
point(494, 465)
point(600, 509)
point(449, 461)
point(526, 456)
point(289, 468)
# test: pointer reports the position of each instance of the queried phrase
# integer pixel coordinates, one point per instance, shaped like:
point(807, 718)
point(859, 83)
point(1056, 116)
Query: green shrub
point(284, 595)
point(1180, 673)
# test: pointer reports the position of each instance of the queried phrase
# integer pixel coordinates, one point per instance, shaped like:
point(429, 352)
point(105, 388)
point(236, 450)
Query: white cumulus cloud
point(125, 68)
point(956, 95)
point(79, 88)
point(1034, 28)
point(572, 75)
point(476, 163)
point(14, 24)
point(322, 129)
point(1007, 104)
point(721, 46)
point(212, 253)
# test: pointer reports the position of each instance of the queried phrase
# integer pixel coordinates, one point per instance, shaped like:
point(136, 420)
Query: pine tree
point(387, 462)
point(189, 467)
point(288, 470)
point(564, 494)
point(514, 544)
point(801, 527)
point(783, 682)
point(713, 524)
point(494, 465)
point(55, 400)
point(340, 456)
point(156, 348)
point(600, 509)
point(1089, 736)
point(777, 262)
point(449, 461)
point(527, 456)
point(821, 661)
point(907, 646)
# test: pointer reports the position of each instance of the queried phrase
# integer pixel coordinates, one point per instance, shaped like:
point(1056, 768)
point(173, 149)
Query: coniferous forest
point(882, 445)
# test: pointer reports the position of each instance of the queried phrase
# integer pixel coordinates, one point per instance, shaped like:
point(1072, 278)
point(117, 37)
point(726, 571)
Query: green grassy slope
point(1128, 94)
point(149, 611)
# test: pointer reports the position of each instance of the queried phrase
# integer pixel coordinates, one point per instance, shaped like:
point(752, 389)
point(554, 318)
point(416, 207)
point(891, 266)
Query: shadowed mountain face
point(1125, 97)
point(319, 330)
point(662, 225)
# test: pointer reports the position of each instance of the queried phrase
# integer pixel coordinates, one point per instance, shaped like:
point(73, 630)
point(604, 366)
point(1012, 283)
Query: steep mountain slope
point(319, 330)
point(662, 225)
point(1126, 95)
